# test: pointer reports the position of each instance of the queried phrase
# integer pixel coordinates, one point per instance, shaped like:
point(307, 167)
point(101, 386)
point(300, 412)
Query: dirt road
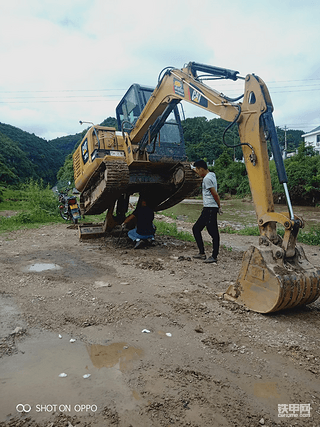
point(143, 339)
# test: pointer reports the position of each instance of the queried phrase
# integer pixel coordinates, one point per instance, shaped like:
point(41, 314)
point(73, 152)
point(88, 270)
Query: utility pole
point(285, 142)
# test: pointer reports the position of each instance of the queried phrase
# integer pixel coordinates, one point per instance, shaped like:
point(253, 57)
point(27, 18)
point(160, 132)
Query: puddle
point(118, 354)
point(42, 266)
point(31, 377)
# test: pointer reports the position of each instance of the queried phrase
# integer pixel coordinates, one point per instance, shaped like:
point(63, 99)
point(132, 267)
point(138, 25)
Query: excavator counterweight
point(147, 155)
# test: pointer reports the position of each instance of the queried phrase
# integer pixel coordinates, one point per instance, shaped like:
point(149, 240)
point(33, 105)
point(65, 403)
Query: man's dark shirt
point(145, 216)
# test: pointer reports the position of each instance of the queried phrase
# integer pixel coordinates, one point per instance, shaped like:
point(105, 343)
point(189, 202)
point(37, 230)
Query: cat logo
point(196, 96)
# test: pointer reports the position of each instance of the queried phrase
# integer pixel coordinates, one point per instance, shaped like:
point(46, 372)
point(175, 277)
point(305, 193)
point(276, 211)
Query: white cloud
point(55, 53)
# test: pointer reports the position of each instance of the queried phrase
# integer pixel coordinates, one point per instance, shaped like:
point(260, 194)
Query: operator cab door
point(168, 142)
point(129, 108)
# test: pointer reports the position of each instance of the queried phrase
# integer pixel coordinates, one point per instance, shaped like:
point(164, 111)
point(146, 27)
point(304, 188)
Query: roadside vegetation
point(29, 166)
point(165, 229)
point(310, 237)
point(203, 138)
point(32, 205)
point(303, 171)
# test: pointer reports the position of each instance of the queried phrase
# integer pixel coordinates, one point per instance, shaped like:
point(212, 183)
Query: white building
point(313, 139)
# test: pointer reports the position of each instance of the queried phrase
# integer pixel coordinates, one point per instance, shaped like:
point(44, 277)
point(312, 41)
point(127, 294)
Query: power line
point(69, 96)
point(281, 87)
point(64, 98)
point(33, 99)
point(59, 90)
point(57, 101)
point(292, 91)
point(299, 127)
point(122, 90)
point(288, 81)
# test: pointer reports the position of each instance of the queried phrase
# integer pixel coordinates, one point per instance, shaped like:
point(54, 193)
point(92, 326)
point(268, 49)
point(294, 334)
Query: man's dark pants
point(208, 218)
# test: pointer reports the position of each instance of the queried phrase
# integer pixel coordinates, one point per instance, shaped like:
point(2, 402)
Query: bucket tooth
point(268, 282)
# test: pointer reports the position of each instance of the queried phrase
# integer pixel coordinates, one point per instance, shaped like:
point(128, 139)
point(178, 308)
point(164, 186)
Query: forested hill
point(24, 155)
point(203, 138)
point(67, 144)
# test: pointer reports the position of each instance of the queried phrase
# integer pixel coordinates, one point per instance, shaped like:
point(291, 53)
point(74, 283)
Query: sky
point(63, 61)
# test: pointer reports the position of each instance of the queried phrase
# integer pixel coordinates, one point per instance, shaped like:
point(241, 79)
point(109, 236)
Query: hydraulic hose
point(229, 127)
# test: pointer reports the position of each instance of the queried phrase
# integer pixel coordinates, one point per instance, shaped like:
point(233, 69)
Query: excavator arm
point(180, 85)
point(256, 126)
point(276, 274)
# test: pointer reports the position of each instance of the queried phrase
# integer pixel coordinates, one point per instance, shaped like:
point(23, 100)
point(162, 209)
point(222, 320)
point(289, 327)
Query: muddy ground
point(152, 343)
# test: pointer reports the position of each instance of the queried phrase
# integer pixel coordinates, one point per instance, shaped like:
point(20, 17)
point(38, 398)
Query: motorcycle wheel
point(64, 213)
point(75, 221)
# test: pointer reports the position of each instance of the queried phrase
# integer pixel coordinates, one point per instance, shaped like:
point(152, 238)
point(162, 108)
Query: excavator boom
point(276, 273)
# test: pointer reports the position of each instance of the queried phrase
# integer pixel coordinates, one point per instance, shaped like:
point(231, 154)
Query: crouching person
point(145, 229)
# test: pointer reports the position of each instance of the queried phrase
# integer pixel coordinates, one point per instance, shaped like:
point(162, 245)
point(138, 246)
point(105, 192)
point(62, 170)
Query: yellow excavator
point(147, 155)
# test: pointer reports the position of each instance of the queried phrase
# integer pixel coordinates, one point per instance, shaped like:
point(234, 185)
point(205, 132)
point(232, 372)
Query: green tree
point(29, 156)
point(65, 173)
point(293, 137)
point(303, 171)
point(232, 176)
point(204, 138)
point(110, 122)
point(15, 166)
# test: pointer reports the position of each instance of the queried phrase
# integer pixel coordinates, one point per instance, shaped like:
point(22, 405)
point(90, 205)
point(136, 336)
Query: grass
point(241, 211)
point(164, 229)
point(34, 205)
point(249, 231)
point(37, 205)
point(310, 237)
point(237, 211)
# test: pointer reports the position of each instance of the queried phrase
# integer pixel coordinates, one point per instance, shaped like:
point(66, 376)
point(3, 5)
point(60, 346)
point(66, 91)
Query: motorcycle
point(69, 209)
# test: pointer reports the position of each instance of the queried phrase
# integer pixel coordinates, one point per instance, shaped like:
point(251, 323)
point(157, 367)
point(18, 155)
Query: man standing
point(208, 217)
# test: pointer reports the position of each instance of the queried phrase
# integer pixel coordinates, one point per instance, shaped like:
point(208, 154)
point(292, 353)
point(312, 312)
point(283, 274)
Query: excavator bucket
point(268, 282)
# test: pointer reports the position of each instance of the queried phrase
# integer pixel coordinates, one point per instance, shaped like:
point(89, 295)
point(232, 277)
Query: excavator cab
point(165, 137)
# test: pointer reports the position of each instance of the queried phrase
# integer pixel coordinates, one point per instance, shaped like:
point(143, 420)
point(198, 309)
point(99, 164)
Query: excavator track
point(191, 182)
point(104, 186)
